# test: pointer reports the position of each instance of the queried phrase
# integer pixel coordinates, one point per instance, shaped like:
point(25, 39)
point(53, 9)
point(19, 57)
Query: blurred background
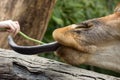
point(68, 12)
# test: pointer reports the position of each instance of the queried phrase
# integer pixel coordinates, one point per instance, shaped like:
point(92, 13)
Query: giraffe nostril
point(73, 26)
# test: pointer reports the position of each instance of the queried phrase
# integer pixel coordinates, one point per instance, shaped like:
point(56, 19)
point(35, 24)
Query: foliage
point(68, 12)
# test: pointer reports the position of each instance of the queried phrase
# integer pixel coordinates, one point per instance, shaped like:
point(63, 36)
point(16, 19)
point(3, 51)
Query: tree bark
point(14, 66)
point(33, 16)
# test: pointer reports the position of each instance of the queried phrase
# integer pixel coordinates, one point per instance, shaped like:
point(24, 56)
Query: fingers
point(12, 26)
point(16, 27)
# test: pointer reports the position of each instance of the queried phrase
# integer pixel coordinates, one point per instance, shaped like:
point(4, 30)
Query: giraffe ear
point(117, 9)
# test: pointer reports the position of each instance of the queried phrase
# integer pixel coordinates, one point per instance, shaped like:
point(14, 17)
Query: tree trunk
point(14, 66)
point(33, 16)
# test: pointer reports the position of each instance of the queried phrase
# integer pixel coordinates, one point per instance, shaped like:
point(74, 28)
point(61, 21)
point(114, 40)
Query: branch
point(14, 66)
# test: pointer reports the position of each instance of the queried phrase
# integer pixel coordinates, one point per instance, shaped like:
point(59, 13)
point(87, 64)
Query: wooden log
point(14, 66)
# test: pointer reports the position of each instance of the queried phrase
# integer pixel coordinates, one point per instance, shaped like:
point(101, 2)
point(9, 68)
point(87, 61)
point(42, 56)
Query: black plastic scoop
point(30, 50)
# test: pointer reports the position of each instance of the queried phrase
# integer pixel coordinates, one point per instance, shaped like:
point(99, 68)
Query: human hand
point(10, 26)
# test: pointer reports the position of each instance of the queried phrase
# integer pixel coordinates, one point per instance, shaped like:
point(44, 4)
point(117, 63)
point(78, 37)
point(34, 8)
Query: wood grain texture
point(14, 66)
